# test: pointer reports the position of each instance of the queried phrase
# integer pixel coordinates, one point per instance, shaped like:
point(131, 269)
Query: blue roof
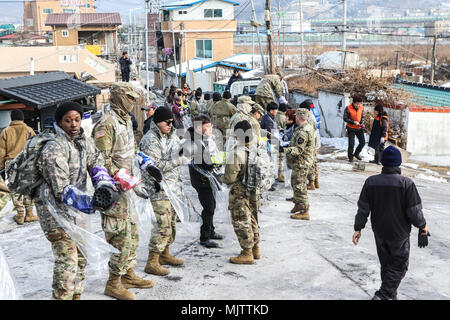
point(189, 3)
point(425, 95)
point(218, 63)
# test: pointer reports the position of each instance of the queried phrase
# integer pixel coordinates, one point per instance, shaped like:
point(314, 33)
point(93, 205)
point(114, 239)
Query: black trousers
point(208, 202)
point(394, 260)
point(359, 133)
point(126, 76)
point(378, 152)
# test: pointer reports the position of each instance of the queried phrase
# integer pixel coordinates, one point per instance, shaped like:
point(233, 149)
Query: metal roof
point(83, 19)
point(45, 90)
point(189, 3)
point(425, 95)
point(199, 64)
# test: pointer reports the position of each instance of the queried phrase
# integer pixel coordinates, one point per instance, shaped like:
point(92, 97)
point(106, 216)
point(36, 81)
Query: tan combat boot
point(131, 280)
point(316, 183)
point(256, 252)
point(30, 217)
point(300, 216)
point(76, 296)
point(153, 266)
point(280, 178)
point(167, 259)
point(246, 257)
point(115, 289)
point(296, 208)
point(311, 186)
point(19, 217)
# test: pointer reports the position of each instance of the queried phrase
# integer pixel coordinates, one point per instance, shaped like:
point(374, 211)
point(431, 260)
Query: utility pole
point(130, 38)
point(174, 54)
point(146, 51)
point(396, 59)
point(255, 24)
point(279, 29)
point(433, 59)
point(301, 33)
point(344, 40)
point(268, 19)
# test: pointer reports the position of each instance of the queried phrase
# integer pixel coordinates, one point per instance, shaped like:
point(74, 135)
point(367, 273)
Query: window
point(68, 10)
point(212, 13)
point(68, 58)
point(166, 15)
point(65, 33)
point(203, 49)
point(48, 10)
point(29, 22)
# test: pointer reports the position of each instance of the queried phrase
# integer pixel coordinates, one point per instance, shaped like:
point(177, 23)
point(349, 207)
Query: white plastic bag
point(8, 287)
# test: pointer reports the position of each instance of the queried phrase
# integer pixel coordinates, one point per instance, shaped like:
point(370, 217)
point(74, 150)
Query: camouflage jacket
point(209, 105)
point(221, 112)
point(280, 119)
point(269, 85)
point(64, 161)
point(114, 137)
point(195, 107)
point(164, 150)
point(300, 153)
point(236, 165)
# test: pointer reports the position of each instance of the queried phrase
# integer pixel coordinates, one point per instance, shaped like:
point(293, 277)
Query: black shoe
point(357, 157)
point(272, 188)
point(290, 199)
point(216, 236)
point(350, 160)
point(373, 161)
point(209, 244)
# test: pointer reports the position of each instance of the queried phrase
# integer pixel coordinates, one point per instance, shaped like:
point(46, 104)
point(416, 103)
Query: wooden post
point(268, 19)
point(433, 59)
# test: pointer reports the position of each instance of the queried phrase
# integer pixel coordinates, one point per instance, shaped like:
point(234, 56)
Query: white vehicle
point(248, 86)
point(333, 60)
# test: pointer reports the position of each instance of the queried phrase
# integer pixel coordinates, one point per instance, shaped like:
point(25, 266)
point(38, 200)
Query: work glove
point(78, 199)
point(100, 175)
point(282, 100)
point(381, 140)
point(148, 165)
point(423, 239)
point(125, 180)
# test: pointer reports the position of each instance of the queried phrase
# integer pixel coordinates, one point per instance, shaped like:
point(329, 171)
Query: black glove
point(154, 172)
point(105, 197)
point(281, 149)
point(157, 186)
point(423, 239)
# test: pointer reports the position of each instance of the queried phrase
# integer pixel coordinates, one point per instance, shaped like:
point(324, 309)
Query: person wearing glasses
point(114, 138)
point(163, 146)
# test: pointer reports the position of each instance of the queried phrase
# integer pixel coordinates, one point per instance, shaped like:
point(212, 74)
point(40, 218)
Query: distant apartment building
point(35, 12)
point(199, 29)
point(439, 27)
point(96, 31)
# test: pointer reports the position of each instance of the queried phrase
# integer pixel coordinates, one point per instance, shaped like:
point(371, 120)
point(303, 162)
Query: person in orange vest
point(354, 116)
point(379, 133)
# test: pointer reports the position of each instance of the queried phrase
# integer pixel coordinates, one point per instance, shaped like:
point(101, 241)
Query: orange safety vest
point(355, 115)
point(378, 118)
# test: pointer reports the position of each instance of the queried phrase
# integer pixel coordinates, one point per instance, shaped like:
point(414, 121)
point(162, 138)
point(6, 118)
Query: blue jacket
point(316, 113)
point(268, 123)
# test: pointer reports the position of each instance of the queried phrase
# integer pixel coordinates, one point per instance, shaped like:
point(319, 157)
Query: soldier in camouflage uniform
point(114, 138)
point(242, 205)
point(4, 194)
point(196, 103)
point(65, 162)
point(300, 156)
point(280, 119)
point(221, 113)
point(269, 90)
point(162, 145)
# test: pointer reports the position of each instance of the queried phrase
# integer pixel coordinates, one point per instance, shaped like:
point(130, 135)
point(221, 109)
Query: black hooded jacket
point(394, 204)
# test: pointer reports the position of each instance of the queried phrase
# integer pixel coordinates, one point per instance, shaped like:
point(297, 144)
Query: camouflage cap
point(245, 99)
point(151, 96)
point(302, 112)
point(124, 88)
point(258, 108)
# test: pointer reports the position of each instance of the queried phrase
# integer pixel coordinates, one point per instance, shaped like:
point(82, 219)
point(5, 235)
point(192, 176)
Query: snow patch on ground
point(428, 171)
point(341, 144)
point(448, 173)
point(336, 166)
point(410, 165)
point(430, 178)
point(441, 161)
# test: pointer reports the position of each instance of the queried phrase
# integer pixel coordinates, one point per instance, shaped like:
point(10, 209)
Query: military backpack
point(24, 177)
point(259, 176)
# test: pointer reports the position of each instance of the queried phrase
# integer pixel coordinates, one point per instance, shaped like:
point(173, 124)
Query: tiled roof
point(189, 3)
point(83, 19)
point(45, 90)
point(424, 95)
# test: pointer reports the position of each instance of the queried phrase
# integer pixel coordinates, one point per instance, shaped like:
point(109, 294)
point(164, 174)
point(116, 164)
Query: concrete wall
point(196, 12)
point(428, 133)
point(332, 106)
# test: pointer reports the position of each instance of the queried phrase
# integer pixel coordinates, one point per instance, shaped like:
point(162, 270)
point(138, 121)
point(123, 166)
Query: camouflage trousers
point(313, 173)
point(164, 232)
point(280, 163)
point(69, 267)
point(263, 101)
point(4, 197)
point(21, 203)
point(244, 216)
point(122, 233)
point(299, 183)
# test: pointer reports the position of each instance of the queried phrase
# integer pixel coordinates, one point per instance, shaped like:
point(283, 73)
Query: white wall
point(428, 133)
point(196, 12)
point(5, 118)
point(332, 106)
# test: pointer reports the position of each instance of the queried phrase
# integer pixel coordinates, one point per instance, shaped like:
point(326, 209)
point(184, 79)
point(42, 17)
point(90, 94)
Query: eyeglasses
point(169, 122)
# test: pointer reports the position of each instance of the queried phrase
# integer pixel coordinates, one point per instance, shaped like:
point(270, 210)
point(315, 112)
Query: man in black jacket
point(394, 204)
point(200, 147)
point(125, 63)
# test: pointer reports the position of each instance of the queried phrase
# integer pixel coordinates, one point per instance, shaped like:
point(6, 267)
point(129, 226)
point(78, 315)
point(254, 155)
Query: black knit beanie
point(162, 114)
point(391, 157)
point(216, 96)
point(226, 95)
point(65, 107)
point(16, 115)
